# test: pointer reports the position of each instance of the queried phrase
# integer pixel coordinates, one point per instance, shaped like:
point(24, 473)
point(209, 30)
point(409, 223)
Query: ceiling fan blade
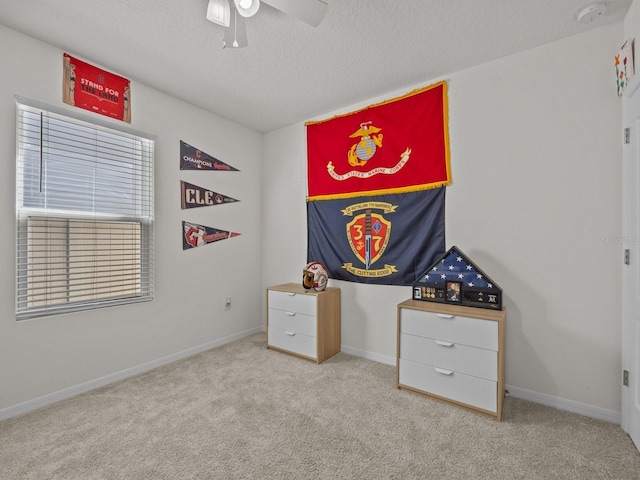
point(309, 11)
point(219, 11)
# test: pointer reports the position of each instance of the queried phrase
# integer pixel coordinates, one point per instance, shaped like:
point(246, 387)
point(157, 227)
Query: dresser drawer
point(292, 342)
point(461, 358)
point(293, 322)
point(467, 389)
point(293, 302)
point(451, 328)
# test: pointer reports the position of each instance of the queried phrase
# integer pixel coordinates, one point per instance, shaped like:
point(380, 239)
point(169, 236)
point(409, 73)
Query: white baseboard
point(568, 405)
point(572, 406)
point(376, 357)
point(50, 398)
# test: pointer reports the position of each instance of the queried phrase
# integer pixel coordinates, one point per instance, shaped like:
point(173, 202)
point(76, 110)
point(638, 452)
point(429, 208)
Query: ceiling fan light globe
point(247, 8)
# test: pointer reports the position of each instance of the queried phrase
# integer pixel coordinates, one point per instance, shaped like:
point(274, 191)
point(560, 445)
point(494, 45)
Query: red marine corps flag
point(397, 146)
point(376, 178)
point(198, 235)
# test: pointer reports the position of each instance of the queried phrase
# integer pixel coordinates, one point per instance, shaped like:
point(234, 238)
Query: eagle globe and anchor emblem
point(363, 151)
point(370, 140)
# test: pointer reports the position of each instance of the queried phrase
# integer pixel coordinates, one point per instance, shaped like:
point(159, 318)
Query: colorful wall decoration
point(91, 88)
point(376, 196)
point(624, 66)
point(396, 146)
point(192, 158)
point(193, 196)
point(195, 235)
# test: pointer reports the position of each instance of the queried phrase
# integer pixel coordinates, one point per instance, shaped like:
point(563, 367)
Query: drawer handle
point(291, 314)
point(444, 344)
point(443, 371)
point(291, 294)
point(291, 334)
point(444, 315)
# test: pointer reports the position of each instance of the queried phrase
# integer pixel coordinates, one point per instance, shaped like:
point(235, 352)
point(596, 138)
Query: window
point(84, 213)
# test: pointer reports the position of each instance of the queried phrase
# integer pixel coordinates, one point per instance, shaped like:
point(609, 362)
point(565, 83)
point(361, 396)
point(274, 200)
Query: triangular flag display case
point(454, 279)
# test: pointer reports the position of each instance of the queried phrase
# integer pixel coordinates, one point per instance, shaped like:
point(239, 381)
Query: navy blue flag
point(382, 239)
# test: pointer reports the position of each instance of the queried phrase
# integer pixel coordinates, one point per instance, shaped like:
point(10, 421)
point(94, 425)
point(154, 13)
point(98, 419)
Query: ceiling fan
point(231, 15)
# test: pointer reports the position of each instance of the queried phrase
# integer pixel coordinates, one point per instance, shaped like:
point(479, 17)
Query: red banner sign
point(96, 90)
point(400, 145)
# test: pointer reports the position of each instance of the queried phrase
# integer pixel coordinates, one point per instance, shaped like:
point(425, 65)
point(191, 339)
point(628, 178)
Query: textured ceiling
point(291, 71)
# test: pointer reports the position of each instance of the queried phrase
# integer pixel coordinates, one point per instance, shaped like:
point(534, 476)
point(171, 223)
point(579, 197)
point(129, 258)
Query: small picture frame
point(453, 294)
point(624, 66)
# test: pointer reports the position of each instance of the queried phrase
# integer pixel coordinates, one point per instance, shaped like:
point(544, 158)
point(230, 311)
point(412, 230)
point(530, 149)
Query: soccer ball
point(314, 275)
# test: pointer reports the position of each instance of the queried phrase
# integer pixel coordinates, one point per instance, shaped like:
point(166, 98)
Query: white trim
point(50, 398)
point(626, 232)
point(632, 87)
point(629, 196)
point(93, 119)
point(572, 406)
point(376, 357)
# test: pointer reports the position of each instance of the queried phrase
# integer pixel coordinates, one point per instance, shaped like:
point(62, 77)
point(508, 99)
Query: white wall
point(44, 356)
point(535, 202)
point(632, 29)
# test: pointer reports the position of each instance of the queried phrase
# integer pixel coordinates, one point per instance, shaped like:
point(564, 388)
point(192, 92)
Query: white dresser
point(303, 322)
point(453, 353)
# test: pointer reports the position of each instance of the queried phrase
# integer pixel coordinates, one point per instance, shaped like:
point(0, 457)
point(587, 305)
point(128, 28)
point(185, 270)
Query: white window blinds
point(84, 213)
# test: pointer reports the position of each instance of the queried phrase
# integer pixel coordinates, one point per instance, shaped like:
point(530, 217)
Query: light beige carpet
point(242, 411)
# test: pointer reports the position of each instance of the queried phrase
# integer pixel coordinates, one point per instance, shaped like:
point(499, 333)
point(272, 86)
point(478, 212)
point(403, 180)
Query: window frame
point(144, 202)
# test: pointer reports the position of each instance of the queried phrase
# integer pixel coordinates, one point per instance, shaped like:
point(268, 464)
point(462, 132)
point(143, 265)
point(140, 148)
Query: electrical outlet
point(227, 303)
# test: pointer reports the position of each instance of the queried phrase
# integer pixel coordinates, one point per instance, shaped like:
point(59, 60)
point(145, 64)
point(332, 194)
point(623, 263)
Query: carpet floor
point(242, 411)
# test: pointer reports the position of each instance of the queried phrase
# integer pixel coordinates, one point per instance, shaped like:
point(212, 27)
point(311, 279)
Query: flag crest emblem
point(362, 151)
point(368, 236)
